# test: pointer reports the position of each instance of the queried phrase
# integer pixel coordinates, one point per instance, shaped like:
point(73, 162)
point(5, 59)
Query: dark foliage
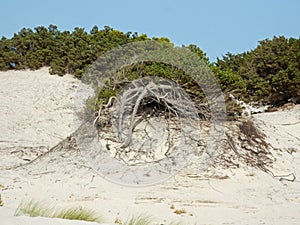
point(271, 71)
point(269, 74)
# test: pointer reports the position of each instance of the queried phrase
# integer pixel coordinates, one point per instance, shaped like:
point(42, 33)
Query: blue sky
point(217, 27)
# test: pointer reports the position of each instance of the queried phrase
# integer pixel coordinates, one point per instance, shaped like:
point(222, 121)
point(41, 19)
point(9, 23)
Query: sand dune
point(37, 112)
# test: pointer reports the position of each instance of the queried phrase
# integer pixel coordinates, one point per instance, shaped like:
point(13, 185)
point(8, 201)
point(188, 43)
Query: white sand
point(37, 112)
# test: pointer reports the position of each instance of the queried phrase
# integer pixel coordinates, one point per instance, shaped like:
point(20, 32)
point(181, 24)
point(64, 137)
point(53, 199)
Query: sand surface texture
point(37, 112)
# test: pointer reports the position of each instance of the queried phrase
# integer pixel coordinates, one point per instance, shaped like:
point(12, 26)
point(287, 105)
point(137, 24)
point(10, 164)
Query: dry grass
point(180, 211)
point(252, 134)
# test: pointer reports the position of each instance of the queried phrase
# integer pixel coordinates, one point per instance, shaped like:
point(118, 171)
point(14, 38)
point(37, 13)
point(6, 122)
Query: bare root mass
point(148, 120)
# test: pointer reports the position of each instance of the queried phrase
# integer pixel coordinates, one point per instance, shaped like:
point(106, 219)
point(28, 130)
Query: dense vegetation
point(268, 74)
point(65, 52)
point(271, 72)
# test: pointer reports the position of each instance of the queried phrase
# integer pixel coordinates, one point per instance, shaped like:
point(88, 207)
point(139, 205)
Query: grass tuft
point(139, 220)
point(36, 208)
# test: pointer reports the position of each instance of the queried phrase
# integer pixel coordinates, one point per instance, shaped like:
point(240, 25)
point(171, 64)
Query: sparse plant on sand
point(1, 202)
point(37, 208)
point(146, 220)
point(180, 211)
point(139, 220)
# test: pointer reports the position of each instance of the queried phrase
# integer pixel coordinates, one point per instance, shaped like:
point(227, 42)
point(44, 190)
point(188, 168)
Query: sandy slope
point(36, 113)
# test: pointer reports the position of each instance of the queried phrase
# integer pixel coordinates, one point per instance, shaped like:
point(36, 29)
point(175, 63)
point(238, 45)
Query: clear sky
point(216, 26)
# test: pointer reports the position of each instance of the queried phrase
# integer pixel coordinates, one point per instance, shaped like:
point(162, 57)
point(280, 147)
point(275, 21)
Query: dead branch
point(140, 102)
